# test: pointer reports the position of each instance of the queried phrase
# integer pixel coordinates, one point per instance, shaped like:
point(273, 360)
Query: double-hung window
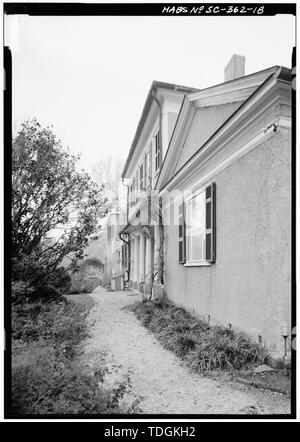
point(197, 228)
point(157, 152)
point(142, 177)
point(147, 169)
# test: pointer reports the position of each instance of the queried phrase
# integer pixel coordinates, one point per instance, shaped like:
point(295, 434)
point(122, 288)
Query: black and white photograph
point(149, 214)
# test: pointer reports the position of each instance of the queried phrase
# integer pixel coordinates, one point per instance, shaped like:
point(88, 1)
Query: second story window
point(146, 169)
point(131, 194)
point(142, 177)
point(157, 153)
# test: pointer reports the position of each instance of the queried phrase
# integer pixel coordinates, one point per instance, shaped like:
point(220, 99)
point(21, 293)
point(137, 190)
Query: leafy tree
point(54, 205)
point(107, 173)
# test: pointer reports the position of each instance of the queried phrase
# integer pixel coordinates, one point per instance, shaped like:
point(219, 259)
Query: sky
point(88, 77)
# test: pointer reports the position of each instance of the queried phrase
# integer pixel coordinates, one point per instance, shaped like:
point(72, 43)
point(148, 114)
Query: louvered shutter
point(210, 228)
point(182, 248)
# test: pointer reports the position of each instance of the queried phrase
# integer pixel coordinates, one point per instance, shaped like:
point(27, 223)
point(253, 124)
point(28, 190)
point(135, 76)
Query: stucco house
point(209, 200)
point(140, 174)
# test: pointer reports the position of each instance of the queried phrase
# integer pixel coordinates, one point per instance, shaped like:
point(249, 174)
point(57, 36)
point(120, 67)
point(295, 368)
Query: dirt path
point(160, 382)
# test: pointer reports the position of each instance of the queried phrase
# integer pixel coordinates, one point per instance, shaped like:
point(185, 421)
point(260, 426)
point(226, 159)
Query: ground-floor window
point(197, 227)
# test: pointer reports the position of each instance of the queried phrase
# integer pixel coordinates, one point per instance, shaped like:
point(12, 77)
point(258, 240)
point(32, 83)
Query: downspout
point(161, 227)
point(128, 243)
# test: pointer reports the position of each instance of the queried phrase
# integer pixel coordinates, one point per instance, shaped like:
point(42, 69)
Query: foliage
point(88, 277)
point(201, 346)
point(45, 384)
point(54, 206)
point(47, 376)
point(58, 322)
point(91, 262)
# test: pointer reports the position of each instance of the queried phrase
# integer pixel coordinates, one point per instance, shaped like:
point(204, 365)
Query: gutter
point(154, 86)
point(160, 122)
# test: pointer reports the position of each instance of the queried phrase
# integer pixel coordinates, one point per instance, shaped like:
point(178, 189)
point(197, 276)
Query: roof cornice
point(276, 87)
point(152, 91)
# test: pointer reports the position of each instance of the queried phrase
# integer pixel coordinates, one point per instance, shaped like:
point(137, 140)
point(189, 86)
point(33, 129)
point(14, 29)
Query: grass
point(48, 377)
point(201, 346)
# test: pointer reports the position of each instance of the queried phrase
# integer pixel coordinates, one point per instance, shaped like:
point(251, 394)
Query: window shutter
point(210, 229)
point(182, 247)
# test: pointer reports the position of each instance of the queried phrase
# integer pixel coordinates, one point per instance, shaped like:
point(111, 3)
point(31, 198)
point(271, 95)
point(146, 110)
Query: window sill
point(197, 264)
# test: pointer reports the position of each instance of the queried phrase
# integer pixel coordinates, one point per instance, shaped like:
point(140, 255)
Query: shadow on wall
point(88, 277)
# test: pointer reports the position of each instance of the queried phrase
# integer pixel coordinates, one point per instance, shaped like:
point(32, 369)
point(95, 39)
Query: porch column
point(142, 258)
point(156, 253)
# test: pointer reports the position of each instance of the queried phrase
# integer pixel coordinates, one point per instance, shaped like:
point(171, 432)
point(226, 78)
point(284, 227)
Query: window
point(136, 186)
point(197, 228)
point(133, 196)
point(157, 152)
point(142, 177)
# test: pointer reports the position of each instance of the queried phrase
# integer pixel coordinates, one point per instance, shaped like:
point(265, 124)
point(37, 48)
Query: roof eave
point(154, 86)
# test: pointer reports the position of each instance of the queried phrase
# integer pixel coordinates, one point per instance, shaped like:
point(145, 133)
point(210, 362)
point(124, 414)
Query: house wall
point(249, 286)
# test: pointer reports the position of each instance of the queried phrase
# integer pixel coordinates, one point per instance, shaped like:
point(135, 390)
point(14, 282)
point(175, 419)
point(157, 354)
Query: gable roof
point(240, 89)
point(152, 91)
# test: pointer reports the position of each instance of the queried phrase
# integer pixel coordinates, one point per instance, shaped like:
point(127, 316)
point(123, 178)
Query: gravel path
point(160, 383)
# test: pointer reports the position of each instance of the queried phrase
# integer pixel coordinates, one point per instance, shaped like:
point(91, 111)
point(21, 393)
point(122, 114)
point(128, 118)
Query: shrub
point(91, 262)
point(44, 384)
point(60, 321)
point(201, 346)
point(88, 276)
point(47, 377)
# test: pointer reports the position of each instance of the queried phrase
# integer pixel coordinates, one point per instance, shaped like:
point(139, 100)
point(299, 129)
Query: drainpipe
point(128, 243)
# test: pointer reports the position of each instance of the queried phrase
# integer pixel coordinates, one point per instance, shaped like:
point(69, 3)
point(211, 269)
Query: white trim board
point(260, 137)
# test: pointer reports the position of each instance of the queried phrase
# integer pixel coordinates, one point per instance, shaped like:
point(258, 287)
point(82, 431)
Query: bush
point(47, 377)
point(201, 346)
point(91, 262)
point(62, 279)
point(60, 322)
point(88, 277)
